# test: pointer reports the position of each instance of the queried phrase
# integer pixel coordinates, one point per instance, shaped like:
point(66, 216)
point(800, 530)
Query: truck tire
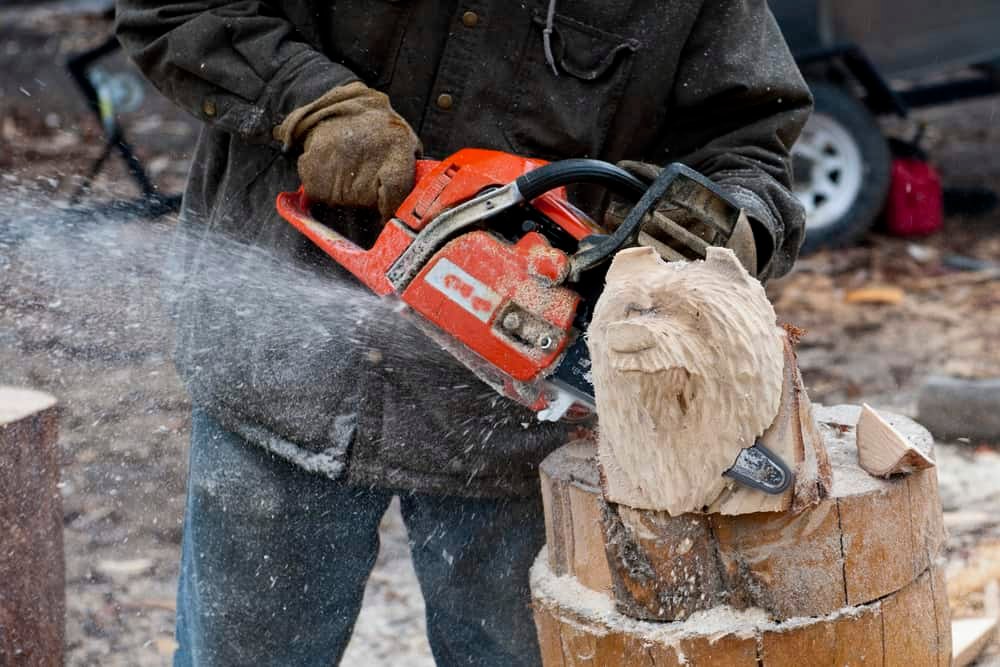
point(842, 168)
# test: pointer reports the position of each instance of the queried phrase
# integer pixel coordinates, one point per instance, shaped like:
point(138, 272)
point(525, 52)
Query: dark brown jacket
point(284, 348)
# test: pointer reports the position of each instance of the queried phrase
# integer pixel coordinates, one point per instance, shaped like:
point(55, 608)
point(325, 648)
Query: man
point(314, 407)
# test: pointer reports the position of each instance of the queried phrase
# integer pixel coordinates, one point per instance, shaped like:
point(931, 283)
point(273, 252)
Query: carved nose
point(630, 338)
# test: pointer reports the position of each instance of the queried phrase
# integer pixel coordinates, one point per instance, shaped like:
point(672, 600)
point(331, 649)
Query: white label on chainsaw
point(463, 289)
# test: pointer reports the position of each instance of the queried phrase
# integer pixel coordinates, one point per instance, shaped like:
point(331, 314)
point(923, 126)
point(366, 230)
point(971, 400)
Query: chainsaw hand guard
point(683, 200)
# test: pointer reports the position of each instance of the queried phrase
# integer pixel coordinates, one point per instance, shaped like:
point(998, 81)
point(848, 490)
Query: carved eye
point(639, 309)
point(639, 303)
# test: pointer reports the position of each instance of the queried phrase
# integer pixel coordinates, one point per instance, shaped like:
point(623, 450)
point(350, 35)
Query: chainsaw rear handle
point(537, 182)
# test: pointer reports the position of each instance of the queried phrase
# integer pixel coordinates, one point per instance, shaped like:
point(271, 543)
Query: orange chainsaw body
point(503, 298)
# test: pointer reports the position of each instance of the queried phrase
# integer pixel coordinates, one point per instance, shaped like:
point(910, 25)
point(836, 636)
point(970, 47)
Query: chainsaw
point(500, 269)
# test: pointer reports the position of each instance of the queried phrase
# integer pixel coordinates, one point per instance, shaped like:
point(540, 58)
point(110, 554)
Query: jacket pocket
point(365, 35)
point(569, 114)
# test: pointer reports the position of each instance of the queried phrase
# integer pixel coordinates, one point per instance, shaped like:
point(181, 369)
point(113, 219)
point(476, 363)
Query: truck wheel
point(842, 168)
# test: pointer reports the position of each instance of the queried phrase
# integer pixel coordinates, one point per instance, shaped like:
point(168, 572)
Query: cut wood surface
point(969, 636)
point(578, 626)
point(884, 451)
point(869, 538)
point(32, 598)
point(690, 368)
point(17, 404)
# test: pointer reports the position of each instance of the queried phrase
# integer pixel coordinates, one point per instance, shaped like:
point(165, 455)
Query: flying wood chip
point(884, 451)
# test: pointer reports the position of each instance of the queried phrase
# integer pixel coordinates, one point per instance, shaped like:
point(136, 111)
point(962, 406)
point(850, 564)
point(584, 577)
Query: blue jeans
point(274, 563)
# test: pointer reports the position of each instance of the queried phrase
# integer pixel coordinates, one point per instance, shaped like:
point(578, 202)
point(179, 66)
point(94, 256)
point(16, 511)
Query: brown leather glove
point(357, 151)
point(741, 242)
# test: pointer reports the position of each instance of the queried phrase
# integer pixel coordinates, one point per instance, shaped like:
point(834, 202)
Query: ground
point(80, 317)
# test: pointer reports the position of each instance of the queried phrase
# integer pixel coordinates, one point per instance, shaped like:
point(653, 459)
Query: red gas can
point(914, 206)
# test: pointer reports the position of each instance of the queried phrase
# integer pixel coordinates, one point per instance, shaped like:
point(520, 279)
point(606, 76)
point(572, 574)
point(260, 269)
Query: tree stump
point(32, 571)
point(850, 580)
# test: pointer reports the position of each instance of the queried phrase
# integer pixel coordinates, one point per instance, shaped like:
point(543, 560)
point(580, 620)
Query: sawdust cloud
point(109, 253)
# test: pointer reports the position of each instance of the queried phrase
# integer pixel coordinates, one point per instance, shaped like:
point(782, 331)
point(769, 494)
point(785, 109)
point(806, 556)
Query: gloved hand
point(741, 242)
point(357, 151)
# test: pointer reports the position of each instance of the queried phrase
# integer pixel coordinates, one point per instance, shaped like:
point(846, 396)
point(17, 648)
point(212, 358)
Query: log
point(579, 627)
point(884, 451)
point(32, 592)
point(956, 407)
point(655, 558)
point(833, 555)
point(690, 368)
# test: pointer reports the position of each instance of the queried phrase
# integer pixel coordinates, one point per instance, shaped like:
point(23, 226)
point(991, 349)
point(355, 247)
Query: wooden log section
point(869, 539)
point(32, 594)
point(579, 627)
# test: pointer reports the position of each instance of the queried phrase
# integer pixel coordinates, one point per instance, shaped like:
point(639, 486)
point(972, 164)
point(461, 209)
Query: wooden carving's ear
point(633, 263)
point(725, 261)
point(629, 337)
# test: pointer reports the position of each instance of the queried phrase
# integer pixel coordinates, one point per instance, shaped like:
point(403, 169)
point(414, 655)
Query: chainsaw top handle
point(537, 182)
point(690, 194)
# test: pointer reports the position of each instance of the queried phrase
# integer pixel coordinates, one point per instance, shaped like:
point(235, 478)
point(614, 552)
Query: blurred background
point(898, 288)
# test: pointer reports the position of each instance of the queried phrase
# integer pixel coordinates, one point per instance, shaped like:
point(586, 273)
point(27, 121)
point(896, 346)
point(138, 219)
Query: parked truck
point(869, 58)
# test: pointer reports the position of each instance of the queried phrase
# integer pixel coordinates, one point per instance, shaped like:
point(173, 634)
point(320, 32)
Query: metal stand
point(150, 203)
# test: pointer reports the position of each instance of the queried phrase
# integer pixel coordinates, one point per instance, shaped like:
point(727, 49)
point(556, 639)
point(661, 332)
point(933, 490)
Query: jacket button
point(470, 19)
point(445, 101)
point(208, 106)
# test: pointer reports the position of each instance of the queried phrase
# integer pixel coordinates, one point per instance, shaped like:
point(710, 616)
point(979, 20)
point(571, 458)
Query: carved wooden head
point(687, 366)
